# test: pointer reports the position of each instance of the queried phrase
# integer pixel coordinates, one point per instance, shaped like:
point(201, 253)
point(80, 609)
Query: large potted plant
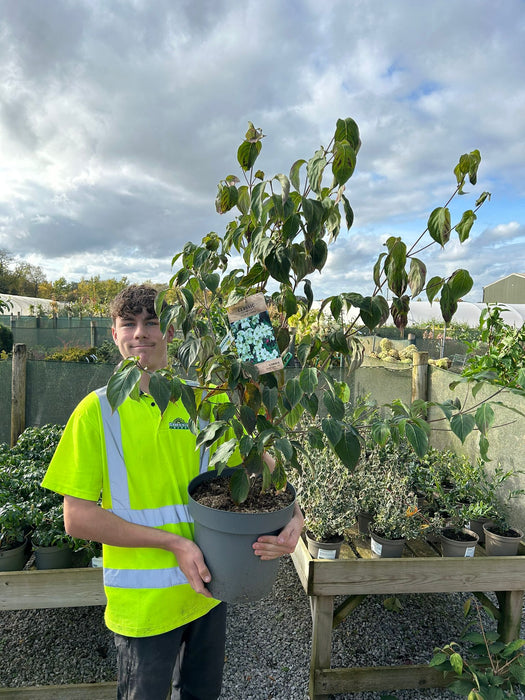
point(277, 241)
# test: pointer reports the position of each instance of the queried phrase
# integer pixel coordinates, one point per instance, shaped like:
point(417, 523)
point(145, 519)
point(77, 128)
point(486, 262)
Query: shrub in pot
point(53, 547)
point(326, 494)
point(276, 242)
point(13, 534)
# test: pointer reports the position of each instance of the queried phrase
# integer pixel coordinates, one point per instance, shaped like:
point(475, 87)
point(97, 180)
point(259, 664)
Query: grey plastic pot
point(13, 559)
point(501, 545)
point(226, 539)
point(452, 547)
point(384, 548)
point(320, 549)
point(53, 557)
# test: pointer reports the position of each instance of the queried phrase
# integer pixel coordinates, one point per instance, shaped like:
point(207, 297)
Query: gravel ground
point(268, 647)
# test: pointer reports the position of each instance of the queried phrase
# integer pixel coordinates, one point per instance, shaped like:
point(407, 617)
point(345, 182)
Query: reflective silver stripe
point(155, 517)
point(144, 578)
point(118, 476)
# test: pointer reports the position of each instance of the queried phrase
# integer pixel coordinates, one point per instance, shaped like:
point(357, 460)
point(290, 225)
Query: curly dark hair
point(133, 300)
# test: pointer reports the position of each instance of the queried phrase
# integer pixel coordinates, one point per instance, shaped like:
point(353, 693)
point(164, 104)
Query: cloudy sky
point(119, 117)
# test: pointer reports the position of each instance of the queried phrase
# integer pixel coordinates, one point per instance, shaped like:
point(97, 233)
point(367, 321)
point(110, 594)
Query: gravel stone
point(268, 643)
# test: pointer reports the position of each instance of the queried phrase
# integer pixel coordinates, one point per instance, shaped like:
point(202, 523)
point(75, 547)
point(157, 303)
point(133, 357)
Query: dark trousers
point(147, 666)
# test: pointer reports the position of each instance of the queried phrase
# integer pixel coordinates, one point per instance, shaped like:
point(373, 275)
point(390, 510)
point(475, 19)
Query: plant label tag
point(376, 547)
point(469, 552)
point(326, 554)
point(253, 334)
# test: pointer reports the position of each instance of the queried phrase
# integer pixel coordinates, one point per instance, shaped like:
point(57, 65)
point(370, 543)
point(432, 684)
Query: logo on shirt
point(178, 424)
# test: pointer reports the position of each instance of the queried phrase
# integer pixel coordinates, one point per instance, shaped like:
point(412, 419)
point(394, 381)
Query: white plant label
point(326, 554)
point(469, 552)
point(376, 547)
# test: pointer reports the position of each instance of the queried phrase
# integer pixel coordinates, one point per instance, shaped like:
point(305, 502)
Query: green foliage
point(74, 354)
point(498, 356)
point(281, 229)
point(483, 667)
point(6, 338)
point(26, 507)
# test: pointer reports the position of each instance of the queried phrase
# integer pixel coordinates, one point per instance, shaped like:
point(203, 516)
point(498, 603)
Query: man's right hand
point(192, 565)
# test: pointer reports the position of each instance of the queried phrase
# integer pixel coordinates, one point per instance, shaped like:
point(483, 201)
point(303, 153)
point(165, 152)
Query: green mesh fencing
point(61, 332)
point(53, 389)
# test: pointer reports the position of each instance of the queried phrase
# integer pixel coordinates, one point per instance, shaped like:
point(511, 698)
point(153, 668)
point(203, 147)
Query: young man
point(154, 574)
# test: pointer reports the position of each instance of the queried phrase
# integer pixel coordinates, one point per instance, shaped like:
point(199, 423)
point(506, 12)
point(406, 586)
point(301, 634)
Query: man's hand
point(191, 563)
point(272, 547)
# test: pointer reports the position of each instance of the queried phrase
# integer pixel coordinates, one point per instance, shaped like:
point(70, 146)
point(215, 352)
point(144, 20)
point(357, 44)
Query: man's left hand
point(274, 546)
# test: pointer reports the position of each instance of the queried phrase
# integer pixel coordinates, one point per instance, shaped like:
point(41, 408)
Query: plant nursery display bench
point(421, 570)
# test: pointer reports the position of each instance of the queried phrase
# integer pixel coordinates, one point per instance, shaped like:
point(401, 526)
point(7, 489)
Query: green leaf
point(333, 430)
point(347, 130)
point(334, 406)
point(278, 264)
point(248, 418)
point(308, 380)
point(349, 212)
point(160, 389)
point(247, 154)
point(460, 283)
point(483, 448)
point(319, 254)
point(462, 425)
point(257, 199)
point(348, 449)
point(416, 276)
point(211, 281)
point(343, 164)
point(434, 287)
point(188, 352)
point(439, 225)
point(314, 170)
point(239, 485)
point(294, 174)
point(212, 432)
point(484, 417)
point(270, 396)
point(457, 663)
point(310, 403)
point(308, 293)
point(122, 383)
point(188, 400)
point(465, 225)
point(447, 303)
point(279, 476)
point(284, 446)
point(417, 437)
point(380, 432)
point(285, 184)
point(226, 198)
point(293, 391)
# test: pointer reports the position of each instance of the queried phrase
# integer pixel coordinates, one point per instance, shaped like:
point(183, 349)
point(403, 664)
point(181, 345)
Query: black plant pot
point(226, 539)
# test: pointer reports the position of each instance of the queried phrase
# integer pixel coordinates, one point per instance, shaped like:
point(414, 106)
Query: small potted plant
point(326, 494)
point(13, 535)
point(52, 546)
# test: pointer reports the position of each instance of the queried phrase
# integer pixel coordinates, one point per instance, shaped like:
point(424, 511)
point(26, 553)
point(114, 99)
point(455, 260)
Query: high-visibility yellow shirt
point(147, 594)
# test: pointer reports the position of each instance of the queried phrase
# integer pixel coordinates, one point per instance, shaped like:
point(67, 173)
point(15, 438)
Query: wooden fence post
point(93, 333)
point(18, 391)
point(420, 376)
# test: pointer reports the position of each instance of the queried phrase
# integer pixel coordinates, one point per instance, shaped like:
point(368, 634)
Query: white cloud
point(118, 119)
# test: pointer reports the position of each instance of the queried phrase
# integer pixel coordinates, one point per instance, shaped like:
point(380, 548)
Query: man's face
point(139, 335)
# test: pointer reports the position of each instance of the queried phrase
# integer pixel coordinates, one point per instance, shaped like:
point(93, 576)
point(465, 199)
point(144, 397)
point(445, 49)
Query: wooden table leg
point(509, 623)
point(322, 618)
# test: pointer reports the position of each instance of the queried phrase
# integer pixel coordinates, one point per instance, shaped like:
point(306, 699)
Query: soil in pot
point(328, 548)
point(458, 542)
point(500, 542)
point(225, 532)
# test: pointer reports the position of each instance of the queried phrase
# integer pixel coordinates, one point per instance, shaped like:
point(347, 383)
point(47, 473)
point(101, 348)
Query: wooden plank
point(53, 588)
point(413, 575)
point(302, 561)
point(80, 691)
point(322, 617)
point(376, 678)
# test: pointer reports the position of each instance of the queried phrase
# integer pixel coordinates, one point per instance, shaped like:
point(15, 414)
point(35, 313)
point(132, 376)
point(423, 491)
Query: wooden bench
point(421, 570)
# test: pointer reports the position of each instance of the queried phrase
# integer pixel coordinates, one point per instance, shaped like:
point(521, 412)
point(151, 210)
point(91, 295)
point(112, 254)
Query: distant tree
point(27, 279)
